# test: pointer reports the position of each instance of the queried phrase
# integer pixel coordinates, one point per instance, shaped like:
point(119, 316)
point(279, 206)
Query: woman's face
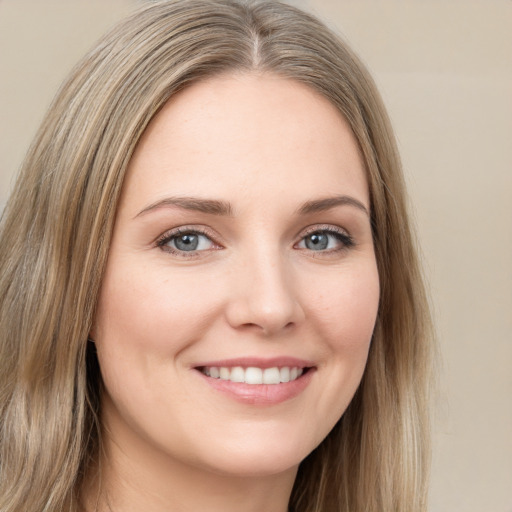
point(241, 289)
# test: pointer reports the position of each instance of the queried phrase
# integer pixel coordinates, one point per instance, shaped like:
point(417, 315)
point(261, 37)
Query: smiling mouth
point(254, 375)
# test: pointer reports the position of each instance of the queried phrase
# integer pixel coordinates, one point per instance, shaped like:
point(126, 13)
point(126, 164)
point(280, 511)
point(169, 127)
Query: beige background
point(444, 68)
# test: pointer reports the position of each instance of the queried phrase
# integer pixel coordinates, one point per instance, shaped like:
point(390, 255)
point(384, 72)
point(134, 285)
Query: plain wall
point(443, 68)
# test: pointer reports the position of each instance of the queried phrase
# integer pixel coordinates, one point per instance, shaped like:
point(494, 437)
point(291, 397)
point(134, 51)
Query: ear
point(92, 334)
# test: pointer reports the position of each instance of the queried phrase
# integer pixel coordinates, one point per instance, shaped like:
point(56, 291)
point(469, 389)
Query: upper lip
point(258, 362)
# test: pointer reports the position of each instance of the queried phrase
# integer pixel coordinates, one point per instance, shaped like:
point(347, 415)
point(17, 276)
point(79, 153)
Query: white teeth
point(237, 374)
point(271, 376)
point(254, 375)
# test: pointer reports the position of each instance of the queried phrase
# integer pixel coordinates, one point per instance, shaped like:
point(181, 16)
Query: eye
point(185, 241)
point(326, 240)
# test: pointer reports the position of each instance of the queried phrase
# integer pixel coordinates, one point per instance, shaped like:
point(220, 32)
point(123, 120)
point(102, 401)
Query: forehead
point(244, 132)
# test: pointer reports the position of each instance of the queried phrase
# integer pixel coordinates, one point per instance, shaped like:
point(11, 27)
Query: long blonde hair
point(55, 235)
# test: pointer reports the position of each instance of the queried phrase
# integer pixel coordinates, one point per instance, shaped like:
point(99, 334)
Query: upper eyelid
point(342, 234)
point(170, 233)
point(215, 237)
point(322, 227)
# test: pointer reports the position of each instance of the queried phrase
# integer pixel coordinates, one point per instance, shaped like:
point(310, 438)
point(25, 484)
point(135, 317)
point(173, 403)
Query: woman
point(210, 296)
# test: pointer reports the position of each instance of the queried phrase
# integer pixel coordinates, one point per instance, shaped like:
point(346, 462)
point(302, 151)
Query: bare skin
point(242, 244)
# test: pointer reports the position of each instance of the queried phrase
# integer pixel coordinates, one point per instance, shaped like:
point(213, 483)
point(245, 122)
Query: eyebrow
point(210, 206)
point(327, 203)
point(223, 208)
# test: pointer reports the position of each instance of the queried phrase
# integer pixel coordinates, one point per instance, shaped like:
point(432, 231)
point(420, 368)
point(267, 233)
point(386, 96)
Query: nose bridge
point(266, 296)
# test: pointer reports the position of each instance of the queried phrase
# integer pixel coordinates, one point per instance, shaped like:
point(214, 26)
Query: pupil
point(317, 241)
point(187, 242)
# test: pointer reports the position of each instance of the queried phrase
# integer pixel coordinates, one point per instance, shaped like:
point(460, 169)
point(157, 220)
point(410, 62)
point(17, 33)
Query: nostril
point(265, 305)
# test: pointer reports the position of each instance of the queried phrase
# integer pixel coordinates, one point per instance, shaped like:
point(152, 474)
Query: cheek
point(144, 322)
point(342, 312)
point(346, 309)
point(345, 314)
point(148, 311)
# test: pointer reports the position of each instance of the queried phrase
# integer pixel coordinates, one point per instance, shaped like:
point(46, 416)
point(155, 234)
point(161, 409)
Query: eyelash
point(341, 235)
point(167, 237)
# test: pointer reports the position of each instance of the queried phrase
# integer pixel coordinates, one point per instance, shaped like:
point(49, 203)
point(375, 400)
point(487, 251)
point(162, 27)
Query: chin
point(259, 458)
point(256, 465)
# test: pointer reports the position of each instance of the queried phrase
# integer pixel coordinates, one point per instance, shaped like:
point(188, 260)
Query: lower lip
point(260, 394)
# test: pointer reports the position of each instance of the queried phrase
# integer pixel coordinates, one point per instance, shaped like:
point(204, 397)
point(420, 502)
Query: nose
point(263, 296)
